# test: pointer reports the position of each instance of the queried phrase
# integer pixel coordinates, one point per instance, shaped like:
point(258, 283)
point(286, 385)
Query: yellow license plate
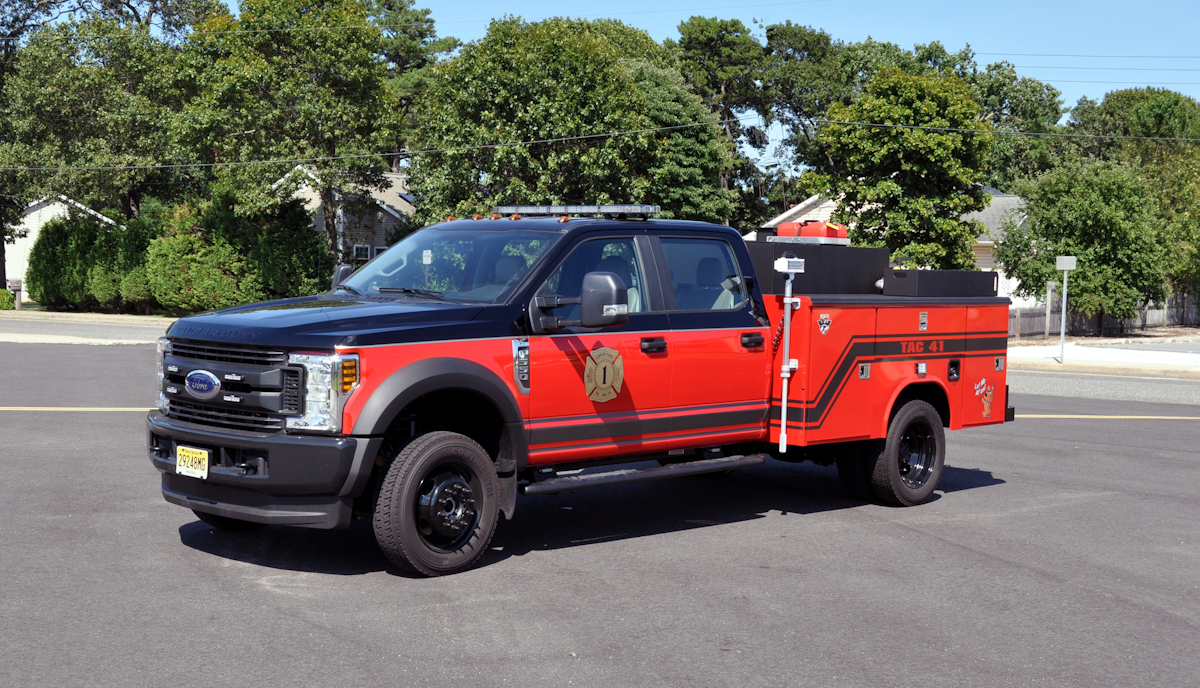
point(191, 462)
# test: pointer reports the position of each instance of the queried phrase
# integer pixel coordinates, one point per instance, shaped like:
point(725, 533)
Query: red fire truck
point(487, 356)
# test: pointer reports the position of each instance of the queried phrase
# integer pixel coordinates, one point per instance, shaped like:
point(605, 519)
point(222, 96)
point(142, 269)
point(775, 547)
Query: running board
point(674, 470)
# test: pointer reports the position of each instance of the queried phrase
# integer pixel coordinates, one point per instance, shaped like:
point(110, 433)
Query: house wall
point(16, 256)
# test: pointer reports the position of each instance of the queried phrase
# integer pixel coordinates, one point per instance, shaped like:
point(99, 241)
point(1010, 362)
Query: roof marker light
point(477, 216)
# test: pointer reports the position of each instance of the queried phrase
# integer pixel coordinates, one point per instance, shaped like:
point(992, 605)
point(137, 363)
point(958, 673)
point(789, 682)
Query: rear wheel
point(437, 508)
point(226, 523)
point(907, 470)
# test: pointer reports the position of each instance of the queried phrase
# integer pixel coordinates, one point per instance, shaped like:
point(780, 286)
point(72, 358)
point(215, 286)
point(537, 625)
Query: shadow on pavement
point(573, 520)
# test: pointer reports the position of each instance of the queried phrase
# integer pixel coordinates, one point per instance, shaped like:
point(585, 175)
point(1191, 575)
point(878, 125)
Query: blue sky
point(1037, 36)
point(1002, 30)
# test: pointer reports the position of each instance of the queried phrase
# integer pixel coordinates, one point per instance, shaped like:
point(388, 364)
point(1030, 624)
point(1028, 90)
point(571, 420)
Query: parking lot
point(1058, 551)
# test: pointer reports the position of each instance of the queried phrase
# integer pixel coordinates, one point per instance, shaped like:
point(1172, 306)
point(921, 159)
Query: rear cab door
point(720, 341)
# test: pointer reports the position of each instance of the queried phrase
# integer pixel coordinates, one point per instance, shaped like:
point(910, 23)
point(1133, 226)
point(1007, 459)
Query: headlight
point(328, 382)
point(164, 348)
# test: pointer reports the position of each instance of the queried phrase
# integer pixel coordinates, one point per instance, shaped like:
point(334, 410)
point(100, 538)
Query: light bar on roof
point(576, 209)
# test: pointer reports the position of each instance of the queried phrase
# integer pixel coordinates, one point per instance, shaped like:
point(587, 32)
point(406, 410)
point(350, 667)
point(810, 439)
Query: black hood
point(329, 320)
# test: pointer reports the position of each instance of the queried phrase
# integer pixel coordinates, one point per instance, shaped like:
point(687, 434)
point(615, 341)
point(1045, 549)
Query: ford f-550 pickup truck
point(482, 357)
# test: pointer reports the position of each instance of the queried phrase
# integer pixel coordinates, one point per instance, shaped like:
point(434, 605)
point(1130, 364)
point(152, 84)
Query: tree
point(287, 80)
point(1171, 168)
point(907, 189)
point(559, 79)
point(18, 18)
point(1103, 213)
point(409, 46)
point(95, 93)
point(723, 63)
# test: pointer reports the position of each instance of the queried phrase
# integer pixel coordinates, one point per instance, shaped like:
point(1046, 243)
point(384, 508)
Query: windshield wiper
point(428, 293)
point(352, 290)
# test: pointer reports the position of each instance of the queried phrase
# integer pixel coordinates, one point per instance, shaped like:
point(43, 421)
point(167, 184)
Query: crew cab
point(482, 357)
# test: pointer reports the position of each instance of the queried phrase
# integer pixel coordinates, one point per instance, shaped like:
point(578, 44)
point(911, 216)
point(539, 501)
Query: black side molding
point(674, 470)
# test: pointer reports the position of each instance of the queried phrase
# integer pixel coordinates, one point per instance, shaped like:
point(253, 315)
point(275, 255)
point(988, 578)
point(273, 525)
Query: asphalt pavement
point(1058, 551)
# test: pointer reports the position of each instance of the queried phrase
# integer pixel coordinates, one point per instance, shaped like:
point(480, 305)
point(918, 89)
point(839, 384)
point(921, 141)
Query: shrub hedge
point(8, 300)
point(184, 259)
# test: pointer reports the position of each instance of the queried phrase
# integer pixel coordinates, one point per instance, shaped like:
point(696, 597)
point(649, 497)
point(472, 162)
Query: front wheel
point(438, 505)
point(907, 470)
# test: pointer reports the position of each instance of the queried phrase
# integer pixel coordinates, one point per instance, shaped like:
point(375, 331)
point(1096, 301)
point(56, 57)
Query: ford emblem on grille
point(202, 384)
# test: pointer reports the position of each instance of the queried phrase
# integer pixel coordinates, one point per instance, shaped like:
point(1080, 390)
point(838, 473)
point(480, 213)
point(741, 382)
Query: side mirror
point(604, 301)
point(341, 272)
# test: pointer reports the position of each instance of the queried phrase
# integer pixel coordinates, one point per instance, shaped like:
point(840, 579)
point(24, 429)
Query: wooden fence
point(1026, 323)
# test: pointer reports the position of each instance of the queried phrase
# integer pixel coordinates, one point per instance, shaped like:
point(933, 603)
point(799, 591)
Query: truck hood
point(329, 320)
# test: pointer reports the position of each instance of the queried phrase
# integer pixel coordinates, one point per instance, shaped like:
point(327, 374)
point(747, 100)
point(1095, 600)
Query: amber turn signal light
point(349, 374)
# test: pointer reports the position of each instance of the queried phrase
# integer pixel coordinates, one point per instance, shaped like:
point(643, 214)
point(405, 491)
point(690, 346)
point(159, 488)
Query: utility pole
point(1066, 264)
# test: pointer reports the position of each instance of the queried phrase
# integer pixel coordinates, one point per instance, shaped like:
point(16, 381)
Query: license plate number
point(191, 462)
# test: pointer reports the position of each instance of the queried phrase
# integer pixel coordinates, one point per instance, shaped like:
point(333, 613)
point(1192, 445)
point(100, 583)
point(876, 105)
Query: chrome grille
point(224, 418)
point(227, 353)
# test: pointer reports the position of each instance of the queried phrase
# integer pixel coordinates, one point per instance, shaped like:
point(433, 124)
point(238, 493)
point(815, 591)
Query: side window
point(704, 274)
point(618, 256)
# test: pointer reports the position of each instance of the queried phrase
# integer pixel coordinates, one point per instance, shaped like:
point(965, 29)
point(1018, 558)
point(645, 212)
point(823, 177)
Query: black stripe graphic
point(647, 426)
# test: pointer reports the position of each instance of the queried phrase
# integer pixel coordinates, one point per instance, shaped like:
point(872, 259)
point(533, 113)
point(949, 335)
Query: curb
point(102, 318)
point(1110, 368)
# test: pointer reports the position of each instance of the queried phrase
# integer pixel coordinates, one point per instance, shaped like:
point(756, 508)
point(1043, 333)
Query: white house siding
point(16, 256)
point(369, 228)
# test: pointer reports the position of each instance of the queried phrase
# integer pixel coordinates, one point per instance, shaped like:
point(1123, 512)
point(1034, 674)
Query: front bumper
point(265, 478)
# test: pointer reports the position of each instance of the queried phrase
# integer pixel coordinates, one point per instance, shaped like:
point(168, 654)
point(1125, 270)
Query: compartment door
point(985, 366)
point(840, 399)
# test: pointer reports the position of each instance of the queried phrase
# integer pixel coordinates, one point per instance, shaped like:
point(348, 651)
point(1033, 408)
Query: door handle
point(654, 345)
point(752, 340)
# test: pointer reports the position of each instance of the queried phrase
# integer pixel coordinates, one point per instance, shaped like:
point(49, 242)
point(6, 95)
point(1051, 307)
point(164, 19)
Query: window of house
point(380, 249)
point(362, 252)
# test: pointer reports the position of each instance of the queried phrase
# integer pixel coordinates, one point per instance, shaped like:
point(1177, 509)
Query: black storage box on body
point(940, 283)
point(828, 269)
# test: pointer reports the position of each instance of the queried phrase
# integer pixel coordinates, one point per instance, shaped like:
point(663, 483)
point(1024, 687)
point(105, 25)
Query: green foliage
point(1102, 213)
point(187, 274)
point(562, 78)
point(211, 257)
point(261, 87)
point(8, 300)
point(906, 188)
point(62, 258)
point(94, 92)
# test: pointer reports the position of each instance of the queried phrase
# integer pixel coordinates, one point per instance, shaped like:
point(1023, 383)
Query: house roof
point(808, 205)
point(1003, 205)
point(393, 199)
point(59, 198)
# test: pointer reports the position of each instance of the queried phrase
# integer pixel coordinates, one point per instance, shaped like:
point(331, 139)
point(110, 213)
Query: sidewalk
point(1174, 352)
point(46, 327)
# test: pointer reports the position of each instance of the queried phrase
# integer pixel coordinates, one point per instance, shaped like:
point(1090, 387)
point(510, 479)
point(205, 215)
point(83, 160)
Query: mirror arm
point(555, 301)
point(552, 323)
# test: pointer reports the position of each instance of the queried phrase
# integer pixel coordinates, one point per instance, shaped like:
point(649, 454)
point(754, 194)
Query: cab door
point(720, 348)
point(595, 393)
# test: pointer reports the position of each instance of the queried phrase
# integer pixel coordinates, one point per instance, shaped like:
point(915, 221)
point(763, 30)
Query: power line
point(567, 139)
point(1113, 69)
point(1113, 57)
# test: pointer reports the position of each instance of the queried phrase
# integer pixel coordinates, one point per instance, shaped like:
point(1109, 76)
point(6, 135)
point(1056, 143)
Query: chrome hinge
point(520, 348)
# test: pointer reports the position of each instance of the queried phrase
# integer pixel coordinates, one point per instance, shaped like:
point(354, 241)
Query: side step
point(675, 470)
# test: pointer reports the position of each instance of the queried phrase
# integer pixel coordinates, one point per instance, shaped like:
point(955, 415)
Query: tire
point(854, 469)
point(907, 470)
point(233, 525)
point(437, 508)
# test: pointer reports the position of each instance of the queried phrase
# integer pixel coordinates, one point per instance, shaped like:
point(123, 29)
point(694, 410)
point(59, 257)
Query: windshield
point(481, 266)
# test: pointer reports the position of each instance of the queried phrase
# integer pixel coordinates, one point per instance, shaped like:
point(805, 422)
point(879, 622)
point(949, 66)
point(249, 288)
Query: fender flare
point(417, 379)
point(905, 384)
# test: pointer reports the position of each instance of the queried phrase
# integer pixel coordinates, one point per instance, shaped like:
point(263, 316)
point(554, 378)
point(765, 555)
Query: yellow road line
point(1128, 377)
point(1090, 417)
point(75, 408)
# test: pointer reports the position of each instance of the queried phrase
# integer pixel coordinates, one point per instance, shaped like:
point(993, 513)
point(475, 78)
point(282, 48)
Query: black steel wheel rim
point(917, 454)
point(446, 508)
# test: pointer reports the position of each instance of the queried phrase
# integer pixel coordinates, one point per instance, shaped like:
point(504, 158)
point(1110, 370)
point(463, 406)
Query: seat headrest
point(618, 267)
point(708, 272)
point(508, 267)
